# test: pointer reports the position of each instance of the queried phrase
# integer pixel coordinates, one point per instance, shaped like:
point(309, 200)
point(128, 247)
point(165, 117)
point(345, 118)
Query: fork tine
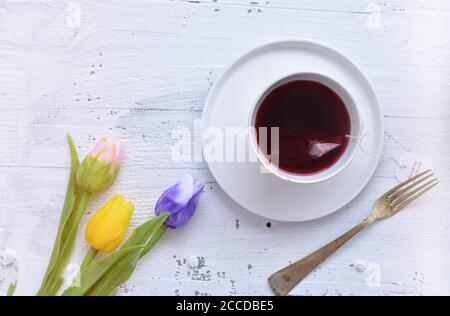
point(415, 196)
point(403, 197)
point(394, 196)
point(394, 189)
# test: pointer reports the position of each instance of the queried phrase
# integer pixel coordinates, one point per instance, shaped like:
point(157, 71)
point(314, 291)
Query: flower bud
point(108, 226)
point(99, 169)
point(180, 200)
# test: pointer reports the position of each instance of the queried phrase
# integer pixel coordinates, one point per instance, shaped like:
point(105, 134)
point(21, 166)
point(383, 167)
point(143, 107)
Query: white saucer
point(229, 103)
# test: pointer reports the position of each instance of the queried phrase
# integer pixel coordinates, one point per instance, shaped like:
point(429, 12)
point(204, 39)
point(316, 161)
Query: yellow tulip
point(108, 227)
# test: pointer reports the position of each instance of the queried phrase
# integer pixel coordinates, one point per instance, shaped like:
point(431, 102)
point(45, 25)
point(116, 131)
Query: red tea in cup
point(313, 125)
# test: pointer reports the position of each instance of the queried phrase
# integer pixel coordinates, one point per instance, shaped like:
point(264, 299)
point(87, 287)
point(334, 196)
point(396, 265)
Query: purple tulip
point(180, 200)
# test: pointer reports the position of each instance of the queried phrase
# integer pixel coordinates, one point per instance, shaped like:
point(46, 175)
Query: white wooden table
point(139, 69)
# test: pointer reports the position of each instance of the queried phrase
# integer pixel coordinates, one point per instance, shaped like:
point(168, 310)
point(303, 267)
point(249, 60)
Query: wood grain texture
point(140, 69)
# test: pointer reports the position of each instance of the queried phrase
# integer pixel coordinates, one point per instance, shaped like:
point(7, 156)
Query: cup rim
point(314, 177)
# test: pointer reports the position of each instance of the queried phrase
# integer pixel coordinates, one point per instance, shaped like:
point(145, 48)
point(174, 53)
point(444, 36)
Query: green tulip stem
point(90, 256)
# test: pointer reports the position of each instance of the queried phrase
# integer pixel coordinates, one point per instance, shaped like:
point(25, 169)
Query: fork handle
point(286, 279)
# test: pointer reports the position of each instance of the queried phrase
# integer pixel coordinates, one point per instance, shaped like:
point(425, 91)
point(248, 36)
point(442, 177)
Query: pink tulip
point(99, 169)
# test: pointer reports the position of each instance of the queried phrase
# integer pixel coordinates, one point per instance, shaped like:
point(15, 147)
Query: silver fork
point(283, 281)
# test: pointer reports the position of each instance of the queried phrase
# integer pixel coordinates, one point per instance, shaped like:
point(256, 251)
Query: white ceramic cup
point(342, 162)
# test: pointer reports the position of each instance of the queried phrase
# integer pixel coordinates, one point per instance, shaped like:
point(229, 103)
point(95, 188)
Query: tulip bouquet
point(97, 173)
point(107, 228)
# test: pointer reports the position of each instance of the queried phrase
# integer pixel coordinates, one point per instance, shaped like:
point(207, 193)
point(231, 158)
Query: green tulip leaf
point(68, 207)
point(68, 241)
point(146, 236)
point(11, 289)
point(144, 231)
point(153, 240)
point(116, 275)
